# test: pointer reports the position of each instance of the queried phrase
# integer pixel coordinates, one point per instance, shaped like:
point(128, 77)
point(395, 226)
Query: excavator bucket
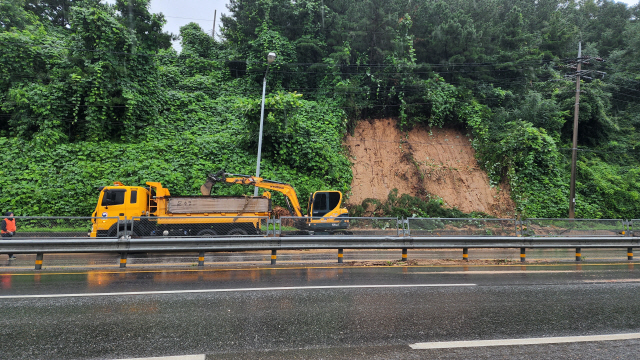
point(206, 188)
point(211, 179)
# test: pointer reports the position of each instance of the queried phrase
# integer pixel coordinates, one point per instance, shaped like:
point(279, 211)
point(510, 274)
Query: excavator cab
point(324, 203)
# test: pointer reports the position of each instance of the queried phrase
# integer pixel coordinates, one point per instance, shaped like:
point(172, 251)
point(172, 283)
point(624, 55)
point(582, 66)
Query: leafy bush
point(406, 206)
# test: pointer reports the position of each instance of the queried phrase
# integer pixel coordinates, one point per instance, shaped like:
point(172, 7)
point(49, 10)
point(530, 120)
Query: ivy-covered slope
point(74, 120)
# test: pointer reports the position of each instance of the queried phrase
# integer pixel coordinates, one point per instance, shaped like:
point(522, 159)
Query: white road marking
point(485, 272)
point(179, 357)
point(526, 341)
point(281, 288)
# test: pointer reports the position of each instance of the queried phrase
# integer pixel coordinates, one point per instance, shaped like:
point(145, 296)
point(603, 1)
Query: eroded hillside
point(440, 162)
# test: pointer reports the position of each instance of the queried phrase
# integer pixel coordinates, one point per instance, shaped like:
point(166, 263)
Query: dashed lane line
point(525, 341)
point(199, 291)
point(179, 357)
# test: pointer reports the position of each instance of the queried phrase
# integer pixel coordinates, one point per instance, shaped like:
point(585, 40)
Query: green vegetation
point(95, 102)
point(91, 93)
point(406, 206)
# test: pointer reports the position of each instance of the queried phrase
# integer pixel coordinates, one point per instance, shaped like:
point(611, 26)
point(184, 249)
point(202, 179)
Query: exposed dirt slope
point(385, 158)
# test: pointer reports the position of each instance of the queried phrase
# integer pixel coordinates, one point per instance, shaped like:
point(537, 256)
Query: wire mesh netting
point(574, 227)
point(461, 227)
point(221, 226)
point(357, 226)
point(635, 227)
point(55, 226)
point(206, 226)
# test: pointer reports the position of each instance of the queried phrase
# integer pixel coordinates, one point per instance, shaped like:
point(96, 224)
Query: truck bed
point(217, 204)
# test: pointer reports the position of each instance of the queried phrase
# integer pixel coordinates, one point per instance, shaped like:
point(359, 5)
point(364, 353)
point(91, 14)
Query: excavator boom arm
point(283, 188)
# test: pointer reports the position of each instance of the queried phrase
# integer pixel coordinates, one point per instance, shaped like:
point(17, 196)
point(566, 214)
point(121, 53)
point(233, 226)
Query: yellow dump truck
point(152, 211)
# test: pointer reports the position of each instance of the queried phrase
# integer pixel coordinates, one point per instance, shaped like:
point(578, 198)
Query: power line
point(319, 102)
point(293, 64)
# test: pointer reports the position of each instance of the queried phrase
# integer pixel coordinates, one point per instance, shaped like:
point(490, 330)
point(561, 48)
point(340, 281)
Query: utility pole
point(213, 32)
point(574, 149)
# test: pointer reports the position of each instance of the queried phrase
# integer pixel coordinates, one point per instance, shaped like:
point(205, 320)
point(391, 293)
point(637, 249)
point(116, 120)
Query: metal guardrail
point(42, 235)
point(241, 243)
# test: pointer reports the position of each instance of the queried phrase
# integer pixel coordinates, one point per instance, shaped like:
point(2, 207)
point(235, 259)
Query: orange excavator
point(324, 212)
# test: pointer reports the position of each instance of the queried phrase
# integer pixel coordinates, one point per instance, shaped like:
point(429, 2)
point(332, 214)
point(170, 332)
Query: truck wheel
point(207, 233)
point(237, 231)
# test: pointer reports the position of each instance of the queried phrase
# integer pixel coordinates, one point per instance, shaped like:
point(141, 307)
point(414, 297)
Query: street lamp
point(270, 58)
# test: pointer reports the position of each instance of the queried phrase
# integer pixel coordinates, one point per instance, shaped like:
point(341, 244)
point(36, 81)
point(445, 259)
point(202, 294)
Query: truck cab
point(117, 202)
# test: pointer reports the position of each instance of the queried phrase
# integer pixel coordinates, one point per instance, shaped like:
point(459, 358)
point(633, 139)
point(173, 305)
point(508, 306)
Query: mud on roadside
point(427, 262)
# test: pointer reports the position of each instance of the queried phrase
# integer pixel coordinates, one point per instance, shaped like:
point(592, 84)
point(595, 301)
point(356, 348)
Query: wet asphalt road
point(272, 322)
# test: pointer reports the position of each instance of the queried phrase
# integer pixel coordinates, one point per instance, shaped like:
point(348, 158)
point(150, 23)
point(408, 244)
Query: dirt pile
point(438, 161)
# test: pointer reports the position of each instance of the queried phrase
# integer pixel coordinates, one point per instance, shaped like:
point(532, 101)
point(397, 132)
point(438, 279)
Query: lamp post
point(270, 58)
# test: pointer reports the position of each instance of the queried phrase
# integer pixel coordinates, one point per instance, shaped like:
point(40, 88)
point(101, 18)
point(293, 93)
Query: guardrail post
point(465, 254)
point(629, 253)
point(340, 253)
point(404, 254)
point(578, 254)
point(39, 257)
point(123, 260)
point(523, 255)
point(201, 259)
point(274, 255)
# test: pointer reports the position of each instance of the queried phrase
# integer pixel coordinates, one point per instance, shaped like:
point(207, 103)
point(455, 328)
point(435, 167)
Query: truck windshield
point(113, 197)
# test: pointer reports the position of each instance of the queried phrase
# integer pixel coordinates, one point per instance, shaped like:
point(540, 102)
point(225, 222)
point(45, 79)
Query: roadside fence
point(44, 227)
point(461, 227)
point(348, 226)
point(634, 227)
point(193, 226)
point(221, 226)
point(575, 227)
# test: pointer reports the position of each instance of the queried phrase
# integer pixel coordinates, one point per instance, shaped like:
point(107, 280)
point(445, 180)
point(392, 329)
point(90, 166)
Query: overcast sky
point(181, 12)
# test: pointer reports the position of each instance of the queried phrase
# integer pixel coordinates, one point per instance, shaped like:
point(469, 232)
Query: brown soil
point(385, 158)
point(279, 212)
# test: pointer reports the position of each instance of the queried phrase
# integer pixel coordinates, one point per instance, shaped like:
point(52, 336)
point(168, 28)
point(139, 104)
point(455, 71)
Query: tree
point(146, 27)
